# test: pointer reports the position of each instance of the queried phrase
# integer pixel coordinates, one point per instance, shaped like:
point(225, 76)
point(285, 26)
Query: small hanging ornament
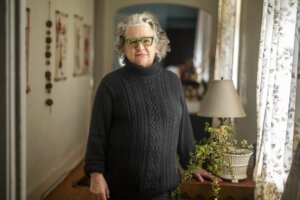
point(49, 102)
point(48, 87)
point(48, 54)
point(48, 75)
point(48, 38)
point(49, 22)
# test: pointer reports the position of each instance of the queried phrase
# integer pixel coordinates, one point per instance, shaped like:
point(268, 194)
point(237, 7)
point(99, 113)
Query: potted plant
point(220, 155)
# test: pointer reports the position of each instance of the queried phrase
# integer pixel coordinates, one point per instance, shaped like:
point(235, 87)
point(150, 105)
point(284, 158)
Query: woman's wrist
point(94, 174)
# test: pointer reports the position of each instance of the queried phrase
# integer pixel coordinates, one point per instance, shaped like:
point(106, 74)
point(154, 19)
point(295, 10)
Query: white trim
point(10, 101)
point(22, 101)
point(15, 100)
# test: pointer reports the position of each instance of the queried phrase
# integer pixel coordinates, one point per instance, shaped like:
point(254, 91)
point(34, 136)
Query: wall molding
point(56, 176)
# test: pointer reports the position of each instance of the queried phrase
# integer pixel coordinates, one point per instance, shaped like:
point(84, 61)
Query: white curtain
point(276, 92)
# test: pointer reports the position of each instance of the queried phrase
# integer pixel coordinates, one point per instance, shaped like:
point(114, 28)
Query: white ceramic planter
point(238, 163)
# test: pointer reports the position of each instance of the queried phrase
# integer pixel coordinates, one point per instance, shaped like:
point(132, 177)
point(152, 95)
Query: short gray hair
point(160, 36)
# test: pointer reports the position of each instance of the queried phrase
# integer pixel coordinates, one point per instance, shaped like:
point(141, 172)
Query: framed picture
point(61, 45)
point(87, 55)
point(78, 45)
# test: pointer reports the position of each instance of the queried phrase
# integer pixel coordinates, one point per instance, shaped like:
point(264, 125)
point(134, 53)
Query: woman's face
point(138, 46)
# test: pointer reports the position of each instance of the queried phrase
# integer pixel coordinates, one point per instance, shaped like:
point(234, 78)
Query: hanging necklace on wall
point(48, 54)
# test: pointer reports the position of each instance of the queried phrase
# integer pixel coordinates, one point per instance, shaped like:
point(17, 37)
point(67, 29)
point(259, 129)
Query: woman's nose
point(140, 46)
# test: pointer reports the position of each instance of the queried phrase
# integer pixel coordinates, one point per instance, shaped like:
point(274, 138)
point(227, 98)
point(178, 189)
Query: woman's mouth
point(140, 54)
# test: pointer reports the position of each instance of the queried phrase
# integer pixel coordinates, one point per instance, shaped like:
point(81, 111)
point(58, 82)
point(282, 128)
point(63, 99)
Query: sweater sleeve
point(100, 123)
point(186, 141)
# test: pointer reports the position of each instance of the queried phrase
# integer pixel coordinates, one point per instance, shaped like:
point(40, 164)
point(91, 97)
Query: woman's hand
point(99, 187)
point(201, 174)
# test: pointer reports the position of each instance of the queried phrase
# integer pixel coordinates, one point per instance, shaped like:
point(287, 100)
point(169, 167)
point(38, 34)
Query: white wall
point(248, 59)
point(55, 142)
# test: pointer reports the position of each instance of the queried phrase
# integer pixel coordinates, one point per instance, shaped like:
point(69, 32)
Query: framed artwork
point(27, 39)
point(87, 37)
point(61, 45)
point(78, 45)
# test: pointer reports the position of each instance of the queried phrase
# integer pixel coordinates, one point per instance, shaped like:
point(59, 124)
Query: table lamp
point(221, 101)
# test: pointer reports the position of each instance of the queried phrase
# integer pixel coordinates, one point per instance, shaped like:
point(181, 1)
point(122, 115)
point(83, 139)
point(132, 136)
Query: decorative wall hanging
point(61, 45)
point(87, 30)
point(48, 55)
point(27, 39)
point(78, 45)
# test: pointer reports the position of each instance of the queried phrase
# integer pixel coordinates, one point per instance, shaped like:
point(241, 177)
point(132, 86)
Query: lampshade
point(221, 101)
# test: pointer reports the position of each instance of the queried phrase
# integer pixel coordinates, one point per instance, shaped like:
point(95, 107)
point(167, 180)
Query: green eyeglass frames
point(134, 42)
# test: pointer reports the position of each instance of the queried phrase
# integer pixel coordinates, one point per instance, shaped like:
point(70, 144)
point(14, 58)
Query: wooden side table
point(195, 190)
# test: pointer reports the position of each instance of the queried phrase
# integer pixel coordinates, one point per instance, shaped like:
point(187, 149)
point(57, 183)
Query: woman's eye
point(132, 41)
point(146, 40)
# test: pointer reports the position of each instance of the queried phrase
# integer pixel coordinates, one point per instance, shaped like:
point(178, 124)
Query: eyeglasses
point(134, 42)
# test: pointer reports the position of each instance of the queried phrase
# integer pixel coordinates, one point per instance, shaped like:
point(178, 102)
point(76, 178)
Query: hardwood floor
point(66, 191)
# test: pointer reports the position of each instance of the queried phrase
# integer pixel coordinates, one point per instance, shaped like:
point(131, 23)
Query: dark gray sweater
point(139, 123)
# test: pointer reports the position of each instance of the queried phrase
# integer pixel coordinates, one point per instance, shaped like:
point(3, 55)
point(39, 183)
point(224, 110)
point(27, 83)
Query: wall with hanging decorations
point(59, 69)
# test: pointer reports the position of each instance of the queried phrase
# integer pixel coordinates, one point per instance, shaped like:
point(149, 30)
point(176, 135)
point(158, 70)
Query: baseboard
point(56, 176)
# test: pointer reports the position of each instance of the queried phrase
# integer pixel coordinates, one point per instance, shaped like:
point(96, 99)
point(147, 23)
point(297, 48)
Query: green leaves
point(210, 152)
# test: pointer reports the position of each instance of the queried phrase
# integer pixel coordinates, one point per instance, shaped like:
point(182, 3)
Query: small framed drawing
point(61, 45)
point(87, 48)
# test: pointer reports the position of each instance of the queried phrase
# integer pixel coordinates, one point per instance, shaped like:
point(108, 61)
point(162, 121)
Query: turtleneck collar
point(153, 69)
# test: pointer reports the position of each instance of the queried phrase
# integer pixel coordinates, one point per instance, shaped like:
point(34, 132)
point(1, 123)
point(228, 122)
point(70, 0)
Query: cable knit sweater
point(139, 124)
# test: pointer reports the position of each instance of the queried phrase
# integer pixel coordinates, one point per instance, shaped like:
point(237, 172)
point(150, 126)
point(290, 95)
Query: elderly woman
point(139, 121)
